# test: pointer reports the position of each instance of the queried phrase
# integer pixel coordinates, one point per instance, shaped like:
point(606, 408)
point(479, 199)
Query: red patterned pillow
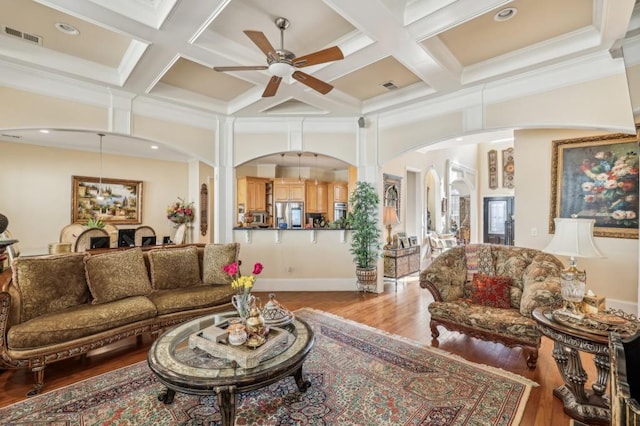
point(491, 290)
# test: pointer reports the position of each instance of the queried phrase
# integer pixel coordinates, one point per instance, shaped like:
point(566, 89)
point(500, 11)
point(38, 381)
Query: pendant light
point(282, 172)
point(100, 197)
point(299, 178)
point(316, 155)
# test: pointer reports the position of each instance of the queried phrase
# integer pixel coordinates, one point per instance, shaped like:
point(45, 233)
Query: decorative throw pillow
point(174, 268)
point(485, 260)
point(117, 275)
point(493, 291)
point(215, 257)
point(50, 284)
point(471, 258)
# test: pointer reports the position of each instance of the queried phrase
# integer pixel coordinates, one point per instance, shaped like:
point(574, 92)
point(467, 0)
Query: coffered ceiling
point(396, 51)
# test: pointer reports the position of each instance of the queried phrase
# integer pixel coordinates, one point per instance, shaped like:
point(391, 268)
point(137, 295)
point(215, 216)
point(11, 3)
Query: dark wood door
point(498, 220)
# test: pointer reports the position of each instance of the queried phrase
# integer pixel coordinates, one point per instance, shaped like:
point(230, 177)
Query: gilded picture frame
point(597, 178)
point(114, 201)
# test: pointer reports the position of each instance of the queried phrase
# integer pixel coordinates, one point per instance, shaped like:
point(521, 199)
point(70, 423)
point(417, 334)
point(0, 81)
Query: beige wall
point(36, 188)
point(21, 109)
point(399, 138)
point(248, 146)
point(616, 276)
point(193, 140)
point(603, 103)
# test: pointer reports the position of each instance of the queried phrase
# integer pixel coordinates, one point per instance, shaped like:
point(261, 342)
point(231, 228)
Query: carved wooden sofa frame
point(535, 277)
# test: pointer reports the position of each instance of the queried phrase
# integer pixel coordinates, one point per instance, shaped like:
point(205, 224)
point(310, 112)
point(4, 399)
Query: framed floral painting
point(114, 201)
point(597, 178)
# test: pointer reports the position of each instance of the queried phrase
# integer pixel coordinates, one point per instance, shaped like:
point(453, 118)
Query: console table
point(401, 262)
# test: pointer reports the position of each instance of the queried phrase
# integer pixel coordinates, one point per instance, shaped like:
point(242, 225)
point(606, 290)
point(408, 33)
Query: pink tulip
point(231, 268)
point(257, 268)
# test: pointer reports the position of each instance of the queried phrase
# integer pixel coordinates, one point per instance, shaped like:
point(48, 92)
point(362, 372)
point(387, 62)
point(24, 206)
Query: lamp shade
point(573, 237)
point(389, 216)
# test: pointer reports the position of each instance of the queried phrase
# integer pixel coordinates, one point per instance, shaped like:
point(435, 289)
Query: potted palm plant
point(365, 234)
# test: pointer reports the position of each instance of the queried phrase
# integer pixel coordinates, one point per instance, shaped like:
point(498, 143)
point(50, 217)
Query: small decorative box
point(593, 304)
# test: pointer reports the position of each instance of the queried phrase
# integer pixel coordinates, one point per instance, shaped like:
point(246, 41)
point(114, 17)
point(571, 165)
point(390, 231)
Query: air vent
point(31, 38)
point(389, 85)
point(4, 135)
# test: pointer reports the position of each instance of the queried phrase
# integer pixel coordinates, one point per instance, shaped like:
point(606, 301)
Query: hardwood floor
point(403, 313)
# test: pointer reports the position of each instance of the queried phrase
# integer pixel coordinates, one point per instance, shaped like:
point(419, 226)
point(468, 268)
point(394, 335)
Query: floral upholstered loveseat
point(533, 279)
point(62, 306)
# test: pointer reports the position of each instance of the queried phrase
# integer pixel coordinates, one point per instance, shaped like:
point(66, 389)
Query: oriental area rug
point(359, 376)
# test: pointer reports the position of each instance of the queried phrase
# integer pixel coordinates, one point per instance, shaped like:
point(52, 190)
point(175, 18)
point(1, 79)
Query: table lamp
point(389, 218)
point(573, 238)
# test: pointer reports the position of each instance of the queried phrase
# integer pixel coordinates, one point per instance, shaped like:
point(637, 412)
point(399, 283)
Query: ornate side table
point(589, 406)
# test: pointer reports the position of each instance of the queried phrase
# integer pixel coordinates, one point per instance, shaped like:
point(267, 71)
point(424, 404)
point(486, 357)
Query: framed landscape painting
point(114, 201)
point(597, 178)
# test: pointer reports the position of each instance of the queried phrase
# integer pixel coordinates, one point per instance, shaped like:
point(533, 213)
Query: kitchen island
point(317, 259)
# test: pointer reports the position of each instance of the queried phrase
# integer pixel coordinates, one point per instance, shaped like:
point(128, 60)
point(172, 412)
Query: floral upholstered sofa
point(61, 306)
point(489, 292)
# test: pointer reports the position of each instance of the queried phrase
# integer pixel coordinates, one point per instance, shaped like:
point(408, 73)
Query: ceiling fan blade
point(314, 83)
point(272, 87)
point(241, 68)
point(327, 55)
point(260, 40)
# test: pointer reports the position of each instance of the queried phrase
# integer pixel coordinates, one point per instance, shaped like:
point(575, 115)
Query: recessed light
point(458, 139)
point(44, 131)
point(154, 146)
point(505, 14)
point(67, 28)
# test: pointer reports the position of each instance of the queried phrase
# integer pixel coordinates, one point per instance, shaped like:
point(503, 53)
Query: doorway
point(498, 220)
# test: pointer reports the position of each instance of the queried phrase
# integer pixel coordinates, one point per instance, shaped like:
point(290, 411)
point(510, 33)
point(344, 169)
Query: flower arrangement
point(610, 188)
point(243, 285)
point(181, 212)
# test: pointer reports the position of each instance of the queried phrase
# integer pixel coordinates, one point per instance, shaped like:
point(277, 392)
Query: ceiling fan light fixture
point(281, 69)
point(283, 63)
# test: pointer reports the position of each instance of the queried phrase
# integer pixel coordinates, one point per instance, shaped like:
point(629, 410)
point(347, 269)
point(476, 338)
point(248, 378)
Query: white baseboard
point(308, 284)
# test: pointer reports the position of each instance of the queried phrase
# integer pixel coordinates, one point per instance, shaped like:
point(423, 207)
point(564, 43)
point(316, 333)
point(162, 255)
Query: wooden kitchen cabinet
point(316, 197)
point(296, 192)
point(252, 193)
point(340, 192)
point(322, 197)
point(288, 190)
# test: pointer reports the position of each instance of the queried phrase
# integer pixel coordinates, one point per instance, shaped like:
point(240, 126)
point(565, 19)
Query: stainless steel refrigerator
point(290, 215)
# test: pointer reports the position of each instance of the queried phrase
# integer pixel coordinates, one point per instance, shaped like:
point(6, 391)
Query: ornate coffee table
point(194, 371)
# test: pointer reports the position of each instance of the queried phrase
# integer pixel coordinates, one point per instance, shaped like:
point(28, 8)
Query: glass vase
point(243, 304)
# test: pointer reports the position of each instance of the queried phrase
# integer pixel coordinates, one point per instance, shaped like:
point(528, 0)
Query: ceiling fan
point(282, 63)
